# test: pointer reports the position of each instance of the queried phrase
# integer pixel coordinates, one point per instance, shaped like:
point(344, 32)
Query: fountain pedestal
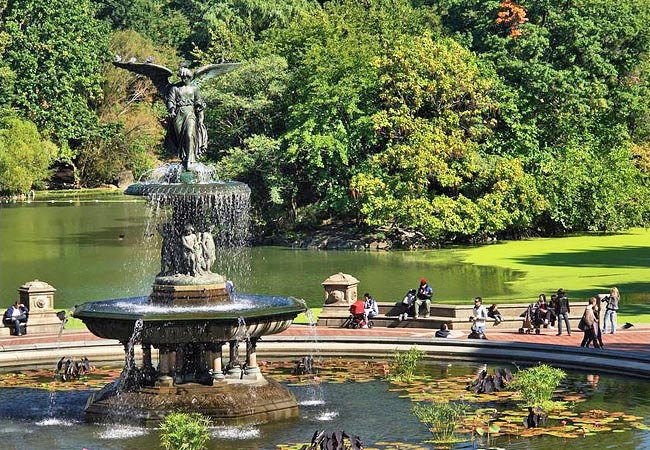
point(225, 403)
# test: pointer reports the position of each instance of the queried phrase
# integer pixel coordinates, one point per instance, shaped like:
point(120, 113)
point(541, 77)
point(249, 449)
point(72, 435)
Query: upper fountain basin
point(191, 189)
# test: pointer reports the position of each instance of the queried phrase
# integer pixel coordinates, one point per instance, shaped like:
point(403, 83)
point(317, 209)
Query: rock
point(124, 179)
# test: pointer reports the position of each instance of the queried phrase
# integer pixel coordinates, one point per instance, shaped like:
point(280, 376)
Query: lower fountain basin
point(262, 315)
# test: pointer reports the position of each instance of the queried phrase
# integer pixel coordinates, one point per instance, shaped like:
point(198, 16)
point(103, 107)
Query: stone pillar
point(340, 293)
point(252, 370)
point(217, 368)
point(340, 289)
point(164, 368)
point(38, 297)
point(147, 366)
point(234, 367)
point(251, 357)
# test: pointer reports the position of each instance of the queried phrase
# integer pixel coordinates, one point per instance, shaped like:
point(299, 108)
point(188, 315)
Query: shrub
point(441, 418)
point(536, 385)
point(405, 364)
point(25, 156)
point(184, 431)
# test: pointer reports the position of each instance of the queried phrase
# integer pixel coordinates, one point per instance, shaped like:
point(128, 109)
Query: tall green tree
point(56, 52)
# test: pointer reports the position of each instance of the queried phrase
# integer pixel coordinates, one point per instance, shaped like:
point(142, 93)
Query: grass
point(583, 265)
point(302, 317)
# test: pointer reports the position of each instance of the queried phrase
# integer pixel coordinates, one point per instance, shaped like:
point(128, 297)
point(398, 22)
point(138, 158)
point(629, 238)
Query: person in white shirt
point(370, 306)
point(479, 315)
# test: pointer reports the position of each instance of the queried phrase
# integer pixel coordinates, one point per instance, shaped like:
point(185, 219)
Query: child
point(494, 313)
point(407, 303)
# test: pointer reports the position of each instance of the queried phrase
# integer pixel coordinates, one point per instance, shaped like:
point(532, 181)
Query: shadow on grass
point(631, 256)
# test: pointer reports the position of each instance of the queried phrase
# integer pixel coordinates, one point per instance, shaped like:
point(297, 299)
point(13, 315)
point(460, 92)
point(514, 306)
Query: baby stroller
point(358, 321)
point(532, 321)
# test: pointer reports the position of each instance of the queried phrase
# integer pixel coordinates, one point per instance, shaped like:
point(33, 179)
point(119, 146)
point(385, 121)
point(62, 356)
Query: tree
point(57, 48)
point(25, 155)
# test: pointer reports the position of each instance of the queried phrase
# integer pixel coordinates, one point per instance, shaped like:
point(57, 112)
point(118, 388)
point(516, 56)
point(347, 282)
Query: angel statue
point(186, 133)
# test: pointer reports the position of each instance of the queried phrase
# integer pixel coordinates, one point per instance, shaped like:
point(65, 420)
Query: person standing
point(562, 311)
point(479, 315)
point(15, 315)
point(589, 320)
point(611, 310)
point(424, 295)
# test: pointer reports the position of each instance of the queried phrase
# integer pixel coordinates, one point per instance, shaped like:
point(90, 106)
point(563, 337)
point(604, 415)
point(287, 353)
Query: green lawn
point(582, 265)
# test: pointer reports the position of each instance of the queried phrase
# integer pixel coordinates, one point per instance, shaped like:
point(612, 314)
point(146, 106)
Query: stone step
point(432, 322)
point(512, 310)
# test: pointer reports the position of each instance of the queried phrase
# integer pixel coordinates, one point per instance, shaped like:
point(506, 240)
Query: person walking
point(589, 322)
point(562, 311)
point(424, 295)
point(611, 310)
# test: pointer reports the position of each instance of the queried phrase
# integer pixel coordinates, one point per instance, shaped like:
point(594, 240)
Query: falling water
point(129, 374)
point(316, 395)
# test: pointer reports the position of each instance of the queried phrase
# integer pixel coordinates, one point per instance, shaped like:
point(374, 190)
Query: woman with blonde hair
point(611, 310)
point(590, 322)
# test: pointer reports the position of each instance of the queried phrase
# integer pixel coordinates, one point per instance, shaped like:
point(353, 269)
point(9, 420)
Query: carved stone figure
point(186, 133)
point(167, 257)
point(198, 254)
point(189, 247)
point(209, 249)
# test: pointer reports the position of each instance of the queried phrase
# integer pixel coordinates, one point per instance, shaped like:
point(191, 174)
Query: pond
point(351, 396)
point(94, 248)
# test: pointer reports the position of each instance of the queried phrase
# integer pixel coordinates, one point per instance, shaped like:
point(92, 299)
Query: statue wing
point(159, 75)
point(204, 73)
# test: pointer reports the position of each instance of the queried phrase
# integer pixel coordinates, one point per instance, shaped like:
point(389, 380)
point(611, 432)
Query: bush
point(536, 385)
point(405, 364)
point(441, 418)
point(24, 156)
point(184, 431)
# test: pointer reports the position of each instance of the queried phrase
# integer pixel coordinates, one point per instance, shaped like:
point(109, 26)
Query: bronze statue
point(186, 133)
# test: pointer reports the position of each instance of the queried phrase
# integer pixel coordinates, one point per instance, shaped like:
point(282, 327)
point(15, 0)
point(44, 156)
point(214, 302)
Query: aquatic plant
point(184, 431)
point(536, 384)
point(442, 419)
point(404, 364)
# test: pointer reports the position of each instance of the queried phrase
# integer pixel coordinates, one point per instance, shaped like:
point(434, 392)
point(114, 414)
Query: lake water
point(97, 249)
point(94, 248)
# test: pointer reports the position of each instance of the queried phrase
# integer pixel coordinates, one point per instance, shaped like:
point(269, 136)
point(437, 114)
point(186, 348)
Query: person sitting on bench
point(15, 316)
point(425, 292)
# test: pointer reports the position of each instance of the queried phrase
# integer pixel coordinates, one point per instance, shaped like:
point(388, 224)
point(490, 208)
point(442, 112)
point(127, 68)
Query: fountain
point(190, 316)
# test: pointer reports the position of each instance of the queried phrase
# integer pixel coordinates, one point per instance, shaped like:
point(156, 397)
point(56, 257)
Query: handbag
point(582, 325)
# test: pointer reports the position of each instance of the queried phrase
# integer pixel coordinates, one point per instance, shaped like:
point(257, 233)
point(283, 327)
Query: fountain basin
point(191, 189)
point(115, 319)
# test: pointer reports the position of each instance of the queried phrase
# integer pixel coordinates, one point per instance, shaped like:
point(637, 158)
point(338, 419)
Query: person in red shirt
point(357, 309)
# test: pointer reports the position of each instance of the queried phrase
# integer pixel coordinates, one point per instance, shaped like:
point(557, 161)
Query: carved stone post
point(252, 370)
point(147, 366)
point(234, 367)
point(216, 353)
point(171, 361)
point(251, 357)
point(164, 368)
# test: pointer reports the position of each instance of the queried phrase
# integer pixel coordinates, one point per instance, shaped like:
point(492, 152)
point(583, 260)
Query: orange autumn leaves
point(512, 16)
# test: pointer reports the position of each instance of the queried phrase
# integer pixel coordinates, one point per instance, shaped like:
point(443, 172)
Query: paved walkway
point(636, 339)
